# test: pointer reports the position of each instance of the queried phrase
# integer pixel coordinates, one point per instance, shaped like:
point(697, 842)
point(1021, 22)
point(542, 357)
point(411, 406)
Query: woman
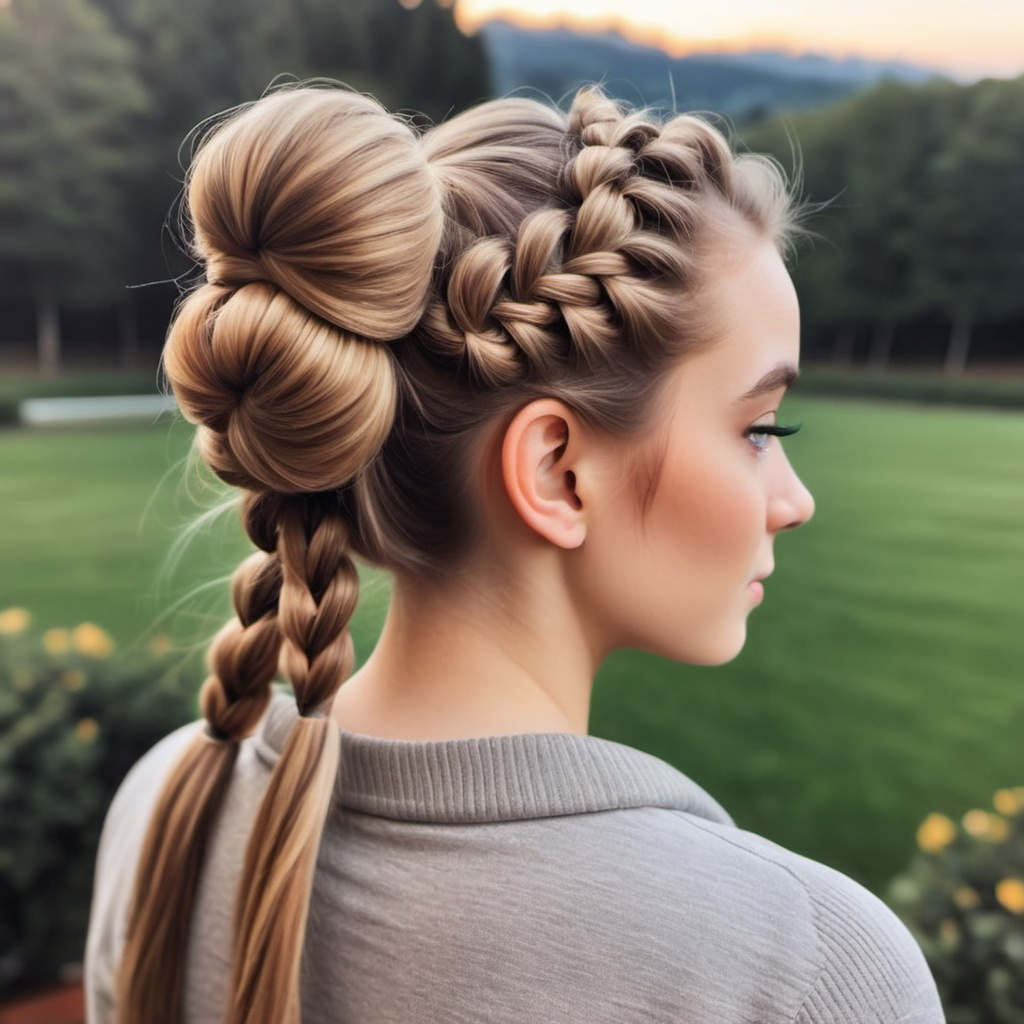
point(530, 364)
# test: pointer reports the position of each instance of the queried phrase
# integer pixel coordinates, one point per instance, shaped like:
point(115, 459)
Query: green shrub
point(15, 387)
point(963, 897)
point(74, 715)
point(921, 387)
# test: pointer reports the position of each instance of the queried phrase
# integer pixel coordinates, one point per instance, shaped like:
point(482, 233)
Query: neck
point(460, 659)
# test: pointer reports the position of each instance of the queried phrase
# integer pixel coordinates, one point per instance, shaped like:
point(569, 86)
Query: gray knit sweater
point(529, 879)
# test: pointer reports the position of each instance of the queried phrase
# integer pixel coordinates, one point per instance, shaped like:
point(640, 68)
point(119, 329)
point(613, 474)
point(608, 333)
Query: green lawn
point(882, 677)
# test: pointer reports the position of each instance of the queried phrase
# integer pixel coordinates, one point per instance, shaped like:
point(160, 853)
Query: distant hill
point(746, 86)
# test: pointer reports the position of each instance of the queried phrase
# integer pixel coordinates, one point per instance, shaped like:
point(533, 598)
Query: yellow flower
point(1010, 892)
point(91, 641)
point(14, 620)
point(983, 825)
point(86, 729)
point(998, 828)
point(965, 897)
point(73, 680)
point(161, 644)
point(936, 833)
point(1009, 801)
point(56, 641)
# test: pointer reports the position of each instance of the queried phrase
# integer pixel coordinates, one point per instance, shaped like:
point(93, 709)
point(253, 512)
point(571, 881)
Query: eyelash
point(766, 430)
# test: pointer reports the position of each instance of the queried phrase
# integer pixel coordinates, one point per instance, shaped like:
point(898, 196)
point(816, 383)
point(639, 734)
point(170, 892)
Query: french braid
point(587, 277)
point(571, 266)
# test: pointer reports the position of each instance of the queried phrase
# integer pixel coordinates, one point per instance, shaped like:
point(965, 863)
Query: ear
point(537, 457)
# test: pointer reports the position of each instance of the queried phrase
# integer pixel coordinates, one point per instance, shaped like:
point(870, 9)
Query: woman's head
point(376, 301)
point(576, 254)
point(678, 573)
point(390, 324)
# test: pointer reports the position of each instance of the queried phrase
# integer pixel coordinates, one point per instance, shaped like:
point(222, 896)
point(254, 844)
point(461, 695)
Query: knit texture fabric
point(529, 878)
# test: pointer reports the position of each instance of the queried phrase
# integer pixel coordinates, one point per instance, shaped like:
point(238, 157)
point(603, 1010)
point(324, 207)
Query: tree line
point(923, 222)
point(923, 185)
point(96, 97)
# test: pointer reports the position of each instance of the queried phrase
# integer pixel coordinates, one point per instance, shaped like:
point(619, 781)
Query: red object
point(63, 1005)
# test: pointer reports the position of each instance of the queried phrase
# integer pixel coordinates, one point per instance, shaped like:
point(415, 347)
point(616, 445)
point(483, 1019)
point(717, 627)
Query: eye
point(760, 434)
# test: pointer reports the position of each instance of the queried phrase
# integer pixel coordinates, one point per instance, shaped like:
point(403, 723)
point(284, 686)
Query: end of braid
point(152, 970)
point(277, 879)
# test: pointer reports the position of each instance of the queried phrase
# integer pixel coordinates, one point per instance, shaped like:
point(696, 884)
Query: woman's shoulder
point(665, 908)
point(850, 955)
point(121, 841)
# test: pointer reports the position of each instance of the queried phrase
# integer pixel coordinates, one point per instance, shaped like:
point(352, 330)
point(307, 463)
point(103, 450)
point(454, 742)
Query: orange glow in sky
point(970, 39)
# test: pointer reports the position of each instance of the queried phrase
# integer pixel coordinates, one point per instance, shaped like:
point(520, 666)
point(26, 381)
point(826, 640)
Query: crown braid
point(583, 278)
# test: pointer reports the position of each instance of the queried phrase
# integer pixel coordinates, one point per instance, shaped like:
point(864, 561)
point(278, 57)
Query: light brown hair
point(374, 299)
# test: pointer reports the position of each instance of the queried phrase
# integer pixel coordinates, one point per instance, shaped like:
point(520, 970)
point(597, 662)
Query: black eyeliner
point(774, 429)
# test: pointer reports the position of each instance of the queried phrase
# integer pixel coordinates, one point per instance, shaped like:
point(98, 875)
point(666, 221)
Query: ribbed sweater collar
point(495, 778)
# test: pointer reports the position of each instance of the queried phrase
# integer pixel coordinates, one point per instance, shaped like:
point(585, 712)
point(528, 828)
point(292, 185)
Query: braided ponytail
point(318, 221)
point(317, 597)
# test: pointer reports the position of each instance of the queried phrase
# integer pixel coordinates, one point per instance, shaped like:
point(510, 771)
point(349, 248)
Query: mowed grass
point(882, 677)
point(120, 527)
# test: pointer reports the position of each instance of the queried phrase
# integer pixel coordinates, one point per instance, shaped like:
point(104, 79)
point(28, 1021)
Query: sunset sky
point(967, 38)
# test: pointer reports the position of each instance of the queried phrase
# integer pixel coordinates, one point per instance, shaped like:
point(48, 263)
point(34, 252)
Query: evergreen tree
point(925, 214)
point(70, 101)
point(971, 234)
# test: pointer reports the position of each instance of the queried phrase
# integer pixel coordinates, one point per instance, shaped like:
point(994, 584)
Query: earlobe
point(537, 456)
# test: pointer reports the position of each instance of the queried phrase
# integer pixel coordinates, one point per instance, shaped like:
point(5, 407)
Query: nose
point(790, 503)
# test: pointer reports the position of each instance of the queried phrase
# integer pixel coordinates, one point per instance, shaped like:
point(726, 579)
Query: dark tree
point(70, 107)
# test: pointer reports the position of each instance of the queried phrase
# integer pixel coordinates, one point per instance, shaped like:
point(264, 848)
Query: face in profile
point(680, 577)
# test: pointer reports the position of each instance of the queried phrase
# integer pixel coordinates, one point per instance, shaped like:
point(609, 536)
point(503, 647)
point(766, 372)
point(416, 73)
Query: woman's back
point(546, 877)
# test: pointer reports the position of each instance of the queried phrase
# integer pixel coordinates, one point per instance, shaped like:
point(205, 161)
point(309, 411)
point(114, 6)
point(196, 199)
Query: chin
point(718, 649)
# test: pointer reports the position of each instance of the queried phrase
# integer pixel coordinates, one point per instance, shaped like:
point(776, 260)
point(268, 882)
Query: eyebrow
point(781, 376)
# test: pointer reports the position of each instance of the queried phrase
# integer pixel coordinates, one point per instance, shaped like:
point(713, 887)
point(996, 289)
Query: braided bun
point(318, 220)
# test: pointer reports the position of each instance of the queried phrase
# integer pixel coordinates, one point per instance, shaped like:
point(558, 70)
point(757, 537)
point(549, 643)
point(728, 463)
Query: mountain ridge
point(744, 86)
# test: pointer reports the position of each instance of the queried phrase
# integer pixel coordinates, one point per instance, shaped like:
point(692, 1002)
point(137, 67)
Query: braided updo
point(373, 301)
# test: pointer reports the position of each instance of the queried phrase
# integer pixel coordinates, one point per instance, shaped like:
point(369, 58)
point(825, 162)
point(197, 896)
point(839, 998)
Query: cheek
point(709, 512)
point(673, 579)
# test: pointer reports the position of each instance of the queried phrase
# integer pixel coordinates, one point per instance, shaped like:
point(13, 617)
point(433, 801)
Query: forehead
point(754, 317)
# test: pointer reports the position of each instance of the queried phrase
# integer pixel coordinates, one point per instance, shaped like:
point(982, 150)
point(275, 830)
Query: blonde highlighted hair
point(374, 298)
